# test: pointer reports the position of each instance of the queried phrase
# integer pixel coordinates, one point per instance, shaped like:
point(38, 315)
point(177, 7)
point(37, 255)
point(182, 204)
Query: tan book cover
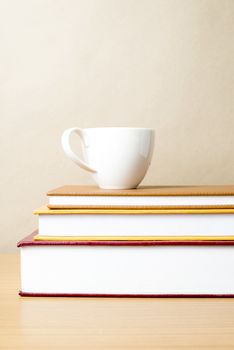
point(143, 197)
point(79, 190)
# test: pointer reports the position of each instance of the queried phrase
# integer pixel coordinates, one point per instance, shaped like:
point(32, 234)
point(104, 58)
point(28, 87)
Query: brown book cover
point(77, 196)
point(209, 190)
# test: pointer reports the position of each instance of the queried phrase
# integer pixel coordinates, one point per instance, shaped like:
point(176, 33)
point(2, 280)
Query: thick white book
point(109, 268)
point(76, 196)
point(135, 223)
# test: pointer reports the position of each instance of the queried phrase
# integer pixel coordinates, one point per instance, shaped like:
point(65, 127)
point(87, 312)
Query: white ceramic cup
point(118, 158)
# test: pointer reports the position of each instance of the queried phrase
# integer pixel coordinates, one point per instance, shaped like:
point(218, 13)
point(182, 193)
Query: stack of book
point(150, 241)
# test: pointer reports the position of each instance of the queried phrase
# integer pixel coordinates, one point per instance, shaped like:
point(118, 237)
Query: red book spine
point(29, 241)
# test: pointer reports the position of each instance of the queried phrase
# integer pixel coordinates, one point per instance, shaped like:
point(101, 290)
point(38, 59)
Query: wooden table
point(109, 323)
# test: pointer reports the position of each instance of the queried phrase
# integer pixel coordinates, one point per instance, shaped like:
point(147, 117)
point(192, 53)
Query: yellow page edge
point(46, 211)
point(133, 238)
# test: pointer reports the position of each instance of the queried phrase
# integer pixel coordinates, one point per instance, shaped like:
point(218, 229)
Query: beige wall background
point(165, 64)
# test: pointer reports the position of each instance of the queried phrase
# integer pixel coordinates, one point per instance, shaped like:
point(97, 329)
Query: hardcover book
point(75, 196)
point(115, 268)
point(109, 223)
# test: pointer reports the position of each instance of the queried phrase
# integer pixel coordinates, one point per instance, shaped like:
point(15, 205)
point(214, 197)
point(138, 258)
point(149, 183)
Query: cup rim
point(117, 127)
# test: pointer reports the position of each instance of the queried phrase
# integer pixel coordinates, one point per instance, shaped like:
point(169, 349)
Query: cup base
point(116, 188)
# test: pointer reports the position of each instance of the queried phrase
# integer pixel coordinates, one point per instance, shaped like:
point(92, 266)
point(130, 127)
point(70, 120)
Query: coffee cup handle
point(69, 152)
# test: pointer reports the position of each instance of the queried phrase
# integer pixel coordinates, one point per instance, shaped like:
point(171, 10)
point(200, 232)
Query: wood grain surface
point(109, 323)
